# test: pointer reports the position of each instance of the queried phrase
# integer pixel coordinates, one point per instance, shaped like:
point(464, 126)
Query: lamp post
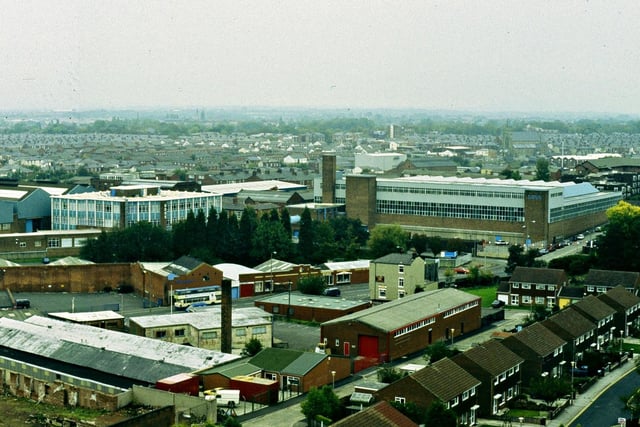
point(452, 332)
point(573, 366)
point(289, 304)
point(271, 268)
point(333, 379)
point(621, 339)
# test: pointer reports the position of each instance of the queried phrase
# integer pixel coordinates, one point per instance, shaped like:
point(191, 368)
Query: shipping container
point(180, 383)
point(254, 389)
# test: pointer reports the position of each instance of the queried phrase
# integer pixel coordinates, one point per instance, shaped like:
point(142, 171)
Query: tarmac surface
point(289, 414)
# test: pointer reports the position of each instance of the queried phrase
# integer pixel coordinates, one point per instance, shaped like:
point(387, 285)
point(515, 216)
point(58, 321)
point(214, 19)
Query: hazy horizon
point(539, 57)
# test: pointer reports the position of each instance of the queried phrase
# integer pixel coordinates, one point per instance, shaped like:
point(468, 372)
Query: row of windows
point(450, 210)
point(539, 287)
point(461, 308)
point(413, 327)
point(579, 209)
point(539, 300)
point(503, 376)
point(210, 335)
point(450, 192)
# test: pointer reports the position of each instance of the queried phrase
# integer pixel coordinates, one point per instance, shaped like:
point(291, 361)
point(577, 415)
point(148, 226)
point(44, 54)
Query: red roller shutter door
point(368, 346)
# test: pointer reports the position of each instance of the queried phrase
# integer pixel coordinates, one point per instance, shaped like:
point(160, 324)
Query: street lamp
point(333, 379)
point(573, 366)
point(271, 268)
point(621, 339)
point(289, 305)
point(452, 332)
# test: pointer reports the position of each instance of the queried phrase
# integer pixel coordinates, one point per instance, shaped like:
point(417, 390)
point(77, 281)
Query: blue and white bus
point(183, 298)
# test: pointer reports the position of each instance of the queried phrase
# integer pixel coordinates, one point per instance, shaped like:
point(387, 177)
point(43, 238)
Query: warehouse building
point(398, 328)
point(531, 212)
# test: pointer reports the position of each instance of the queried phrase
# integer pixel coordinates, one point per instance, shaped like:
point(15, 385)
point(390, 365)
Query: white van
point(224, 397)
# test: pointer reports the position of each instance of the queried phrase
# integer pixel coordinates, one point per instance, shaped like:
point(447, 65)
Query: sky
point(501, 56)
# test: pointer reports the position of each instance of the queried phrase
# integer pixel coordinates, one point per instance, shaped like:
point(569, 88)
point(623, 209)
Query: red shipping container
point(180, 383)
point(254, 389)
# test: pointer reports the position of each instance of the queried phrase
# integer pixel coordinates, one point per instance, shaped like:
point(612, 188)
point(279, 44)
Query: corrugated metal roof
point(139, 363)
point(233, 271)
point(347, 265)
point(189, 358)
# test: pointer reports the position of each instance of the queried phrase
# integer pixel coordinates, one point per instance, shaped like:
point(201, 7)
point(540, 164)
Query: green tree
point(623, 226)
point(518, 257)
point(321, 402)
point(285, 217)
point(311, 285)
point(350, 237)
point(324, 243)
point(511, 174)
point(389, 375)
point(305, 235)
point(385, 239)
point(542, 169)
point(270, 236)
point(252, 347)
point(439, 350)
point(550, 389)
point(438, 415)
point(246, 229)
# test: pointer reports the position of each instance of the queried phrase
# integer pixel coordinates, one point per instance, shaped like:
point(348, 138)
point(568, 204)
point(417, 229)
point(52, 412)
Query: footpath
point(289, 413)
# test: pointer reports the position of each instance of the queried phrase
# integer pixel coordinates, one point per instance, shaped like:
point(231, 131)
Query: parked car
point(502, 243)
point(461, 270)
point(23, 303)
point(331, 292)
point(580, 236)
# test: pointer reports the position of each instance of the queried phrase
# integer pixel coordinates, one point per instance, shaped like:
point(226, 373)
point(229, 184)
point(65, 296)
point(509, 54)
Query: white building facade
point(126, 205)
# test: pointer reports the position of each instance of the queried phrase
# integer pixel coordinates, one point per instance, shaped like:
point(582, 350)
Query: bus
point(183, 298)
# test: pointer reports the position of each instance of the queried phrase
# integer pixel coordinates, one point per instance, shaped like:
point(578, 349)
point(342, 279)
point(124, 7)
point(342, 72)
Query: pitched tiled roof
point(593, 308)
point(539, 339)
point(445, 379)
point(382, 414)
point(549, 276)
point(396, 259)
point(493, 357)
point(620, 296)
point(610, 278)
point(571, 322)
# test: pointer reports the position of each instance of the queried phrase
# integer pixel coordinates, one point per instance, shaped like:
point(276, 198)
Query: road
point(606, 409)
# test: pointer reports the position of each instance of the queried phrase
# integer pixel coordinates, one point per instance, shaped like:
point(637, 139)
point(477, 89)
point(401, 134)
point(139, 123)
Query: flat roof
point(162, 195)
point(210, 318)
point(236, 187)
point(318, 301)
point(92, 316)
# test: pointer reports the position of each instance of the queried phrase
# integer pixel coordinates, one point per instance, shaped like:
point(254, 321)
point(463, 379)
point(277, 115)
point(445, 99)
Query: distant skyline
point(478, 56)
